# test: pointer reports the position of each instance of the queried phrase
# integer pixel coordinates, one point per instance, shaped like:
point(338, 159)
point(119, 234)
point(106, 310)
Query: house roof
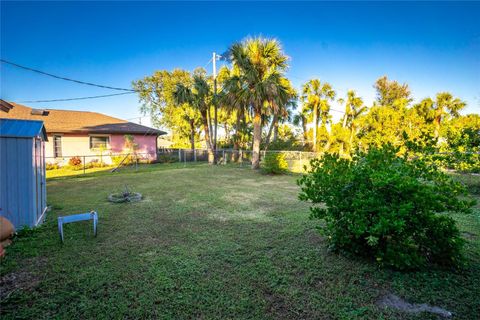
point(5, 106)
point(69, 121)
point(14, 128)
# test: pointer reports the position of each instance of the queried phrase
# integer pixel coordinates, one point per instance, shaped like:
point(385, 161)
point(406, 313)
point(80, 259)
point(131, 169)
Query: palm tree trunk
point(352, 135)
point(208, 142)
point(270, 130)
point(315, 125)
point(329, 142)
point(227, 132)
point(275, 131)
point(209, 117)
point(257, 138)
point(304, 128)
point(436, 123)
point(238, 129)
point(192, 135)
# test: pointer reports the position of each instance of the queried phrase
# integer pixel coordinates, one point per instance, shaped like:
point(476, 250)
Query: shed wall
point(17, 184)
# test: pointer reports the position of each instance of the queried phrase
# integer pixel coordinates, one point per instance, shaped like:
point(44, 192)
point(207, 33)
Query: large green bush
point(387, 207)
point(274, 163)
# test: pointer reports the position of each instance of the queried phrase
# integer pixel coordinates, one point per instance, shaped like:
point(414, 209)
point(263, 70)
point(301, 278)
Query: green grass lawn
point(209, 243)
point(65, 171)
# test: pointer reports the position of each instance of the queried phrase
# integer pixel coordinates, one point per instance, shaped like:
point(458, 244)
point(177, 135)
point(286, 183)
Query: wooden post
point(83, 164)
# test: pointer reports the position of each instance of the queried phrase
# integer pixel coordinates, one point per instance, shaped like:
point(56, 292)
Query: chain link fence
point(297, 161)
point(81, 164)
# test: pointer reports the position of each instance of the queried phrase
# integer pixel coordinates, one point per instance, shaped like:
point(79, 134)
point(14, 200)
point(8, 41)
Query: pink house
point(81, 133)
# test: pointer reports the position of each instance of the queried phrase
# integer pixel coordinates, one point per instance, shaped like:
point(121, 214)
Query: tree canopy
point(259, 108)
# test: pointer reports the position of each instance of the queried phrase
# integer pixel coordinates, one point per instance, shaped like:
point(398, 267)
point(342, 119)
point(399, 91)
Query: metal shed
point(23, 198)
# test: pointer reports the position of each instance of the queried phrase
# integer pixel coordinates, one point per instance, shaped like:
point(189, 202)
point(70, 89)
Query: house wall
point(79, 145)
point(146, 144)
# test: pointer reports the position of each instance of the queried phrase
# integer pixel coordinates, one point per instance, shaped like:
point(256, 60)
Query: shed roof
point(16, 128)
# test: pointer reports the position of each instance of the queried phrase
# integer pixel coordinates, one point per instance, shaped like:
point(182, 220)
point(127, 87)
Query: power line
point(81, 98)
point(206, 64)
point(64, 78)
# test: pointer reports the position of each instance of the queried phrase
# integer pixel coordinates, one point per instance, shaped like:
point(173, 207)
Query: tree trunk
point(342, 145)
point(304, 128)
point(192, 135)
point(275, 131)
point(270, 130)
point(436, 123)
point(329, 142)
point(315, 125)
point(352, 134)
point(257, 138)
point(236, 142)
point(208, 141)
point(227, 133)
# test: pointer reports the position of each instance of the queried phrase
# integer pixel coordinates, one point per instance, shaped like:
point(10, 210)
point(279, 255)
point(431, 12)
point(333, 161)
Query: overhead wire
point(64, 78)
point(79, 98)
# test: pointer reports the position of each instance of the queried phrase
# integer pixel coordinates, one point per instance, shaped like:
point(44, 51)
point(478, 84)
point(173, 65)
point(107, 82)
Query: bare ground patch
point(23, 279)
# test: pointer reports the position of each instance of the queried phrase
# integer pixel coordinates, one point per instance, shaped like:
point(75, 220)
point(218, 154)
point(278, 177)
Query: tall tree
point(316, 97)
point(261, 64)
point(300, 119)
point(234, 102)
point(354, 108)
point(199, 95)
point(282, 110)
point(156, 95)
point(437, 110)
point(392, 93)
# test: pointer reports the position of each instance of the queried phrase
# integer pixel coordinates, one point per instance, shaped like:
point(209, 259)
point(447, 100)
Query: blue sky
point(431, 46)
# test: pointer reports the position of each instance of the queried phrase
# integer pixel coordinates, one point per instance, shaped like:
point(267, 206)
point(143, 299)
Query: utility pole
point(214, 60)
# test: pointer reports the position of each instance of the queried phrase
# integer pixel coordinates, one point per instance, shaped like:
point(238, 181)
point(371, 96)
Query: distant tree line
point(259, 109)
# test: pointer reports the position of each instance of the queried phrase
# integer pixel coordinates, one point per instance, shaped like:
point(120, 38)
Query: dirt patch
point(22, 279)
point(276, 305)
point(392, 301)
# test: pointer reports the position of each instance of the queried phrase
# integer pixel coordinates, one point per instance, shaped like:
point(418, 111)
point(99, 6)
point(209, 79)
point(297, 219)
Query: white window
point(57, 146)
point(99, 142)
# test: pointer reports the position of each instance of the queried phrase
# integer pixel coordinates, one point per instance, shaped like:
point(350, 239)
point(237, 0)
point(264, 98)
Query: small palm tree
point(232, 100)
point(282, 110)
point(354, 108)
point(199, 96)
point(446, 104)
point(316, 97)
point(435, 111)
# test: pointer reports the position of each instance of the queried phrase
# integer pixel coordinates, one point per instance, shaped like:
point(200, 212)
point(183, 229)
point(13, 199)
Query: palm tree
point(300, 119)
point(233, 101)
point(316, 97)
point(261, 63)
point(282, 110)
point(435, 111)
point(446, 105)
point(198, 95)
point(353, 109)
